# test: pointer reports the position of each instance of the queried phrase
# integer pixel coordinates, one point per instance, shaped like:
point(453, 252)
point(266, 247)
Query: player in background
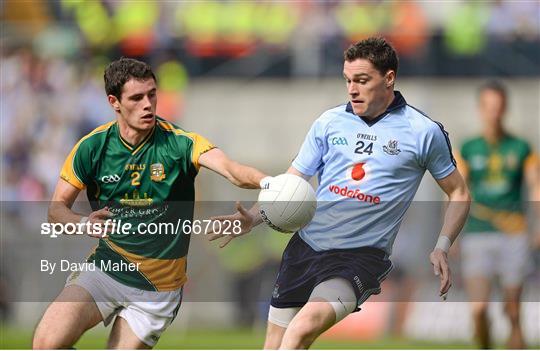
point(370, 155)
point(496, 164)
point(141, 169)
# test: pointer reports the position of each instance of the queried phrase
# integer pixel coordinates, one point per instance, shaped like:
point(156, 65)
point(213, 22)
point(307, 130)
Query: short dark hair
point(494, 85)
point(377, 51)
point(120, 71)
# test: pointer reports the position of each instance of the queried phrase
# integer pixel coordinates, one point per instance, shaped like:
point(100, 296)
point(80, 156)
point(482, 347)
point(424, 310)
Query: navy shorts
point(303, 268)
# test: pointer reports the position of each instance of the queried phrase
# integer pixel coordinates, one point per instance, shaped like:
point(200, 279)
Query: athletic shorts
point(148, 313)
point(303, 268)
point(496, 254)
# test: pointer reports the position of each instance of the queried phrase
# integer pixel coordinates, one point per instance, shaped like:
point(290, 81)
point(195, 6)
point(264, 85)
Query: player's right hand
point(242, 215)
point(100, 216)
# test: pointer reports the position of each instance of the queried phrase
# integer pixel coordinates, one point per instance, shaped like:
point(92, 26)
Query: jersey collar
point(397, 103)
point(136, 148)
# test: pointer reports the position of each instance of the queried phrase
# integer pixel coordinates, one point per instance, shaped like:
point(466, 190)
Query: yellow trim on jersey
point(170, 128)
point(126, 144)
point(200, 144)
point(144, 141)
point(108, 243)
point(163, 274)
point(141, 144)
point(505, 221)
point(531, 161)
point(67, 172)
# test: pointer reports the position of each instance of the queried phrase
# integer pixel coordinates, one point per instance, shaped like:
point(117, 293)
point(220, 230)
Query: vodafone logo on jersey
point(354, 194)
point(356, 173)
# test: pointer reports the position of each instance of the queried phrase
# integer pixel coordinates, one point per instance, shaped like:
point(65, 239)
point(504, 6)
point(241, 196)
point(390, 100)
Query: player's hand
point(439, 260)
point(100, 216)
point(242, 215)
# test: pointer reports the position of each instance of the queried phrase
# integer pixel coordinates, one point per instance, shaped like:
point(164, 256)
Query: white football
point(288, 204)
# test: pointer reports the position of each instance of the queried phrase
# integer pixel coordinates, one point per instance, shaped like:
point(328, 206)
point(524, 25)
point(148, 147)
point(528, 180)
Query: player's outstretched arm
point(60, 208)
point(238, 174)
point(454, 219)
point(241, 176)
point(62, 200)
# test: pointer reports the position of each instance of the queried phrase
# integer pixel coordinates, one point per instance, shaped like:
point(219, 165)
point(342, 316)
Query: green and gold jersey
point(152, 182)
point(495, 174)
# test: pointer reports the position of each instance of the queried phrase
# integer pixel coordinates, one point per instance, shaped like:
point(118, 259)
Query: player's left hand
point(439, 260)
point(246, 224)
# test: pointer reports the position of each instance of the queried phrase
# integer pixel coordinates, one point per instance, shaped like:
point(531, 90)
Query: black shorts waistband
point(379, 253)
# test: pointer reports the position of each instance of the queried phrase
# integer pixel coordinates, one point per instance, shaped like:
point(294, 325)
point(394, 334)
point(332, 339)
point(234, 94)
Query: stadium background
point(251, 77)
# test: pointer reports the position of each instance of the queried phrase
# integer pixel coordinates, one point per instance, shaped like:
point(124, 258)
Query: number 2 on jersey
point(135, 179)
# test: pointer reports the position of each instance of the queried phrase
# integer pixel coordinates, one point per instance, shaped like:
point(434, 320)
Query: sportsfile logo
point(122, 227)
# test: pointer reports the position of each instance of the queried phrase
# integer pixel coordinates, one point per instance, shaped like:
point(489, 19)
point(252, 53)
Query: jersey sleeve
point(77, 166)
point(199, 147)
point(437, 152)
point(309, 159)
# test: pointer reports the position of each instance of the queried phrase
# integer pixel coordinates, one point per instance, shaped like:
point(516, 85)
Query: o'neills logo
point(354, 194)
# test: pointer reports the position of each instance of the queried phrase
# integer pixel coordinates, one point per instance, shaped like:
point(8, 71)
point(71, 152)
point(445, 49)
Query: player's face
point(492, 106)
point(368, 90)
point(137, 104)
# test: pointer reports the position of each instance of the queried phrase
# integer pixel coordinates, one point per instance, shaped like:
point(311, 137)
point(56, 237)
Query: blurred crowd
point(54, 53)
point(284, 37)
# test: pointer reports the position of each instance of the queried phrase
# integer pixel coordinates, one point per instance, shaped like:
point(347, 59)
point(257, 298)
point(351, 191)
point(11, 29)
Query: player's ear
point(390, 78)
point(114, 102)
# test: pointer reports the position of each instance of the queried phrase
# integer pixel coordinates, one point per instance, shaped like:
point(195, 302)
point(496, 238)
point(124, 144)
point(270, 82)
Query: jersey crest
point(391, 148)
point(157, 172)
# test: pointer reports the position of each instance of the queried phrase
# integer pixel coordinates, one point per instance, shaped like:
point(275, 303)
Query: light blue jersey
point(369, 172)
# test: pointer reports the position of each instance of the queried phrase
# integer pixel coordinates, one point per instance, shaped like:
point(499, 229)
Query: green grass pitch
point(14, 338)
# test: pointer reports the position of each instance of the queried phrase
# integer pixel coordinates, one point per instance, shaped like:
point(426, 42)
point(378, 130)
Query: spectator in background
point(359, 20)
point(409, 32)
point(173, 79)
point(464, 29)
point(495, 242)
point(511, 19)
